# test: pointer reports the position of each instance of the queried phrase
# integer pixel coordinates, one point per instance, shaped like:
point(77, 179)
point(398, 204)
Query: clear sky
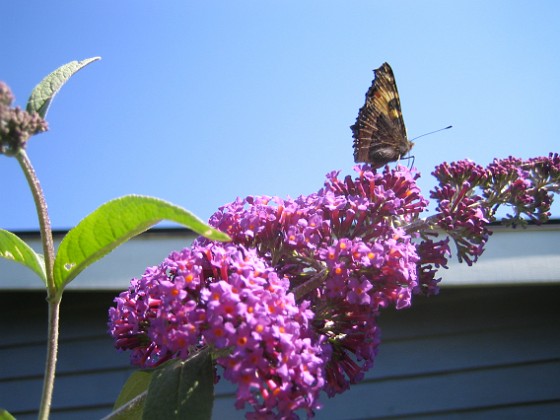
point(199, 102)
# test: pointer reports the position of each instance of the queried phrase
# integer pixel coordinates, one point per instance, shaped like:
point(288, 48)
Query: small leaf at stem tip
point(13, 248)
point(43, 94)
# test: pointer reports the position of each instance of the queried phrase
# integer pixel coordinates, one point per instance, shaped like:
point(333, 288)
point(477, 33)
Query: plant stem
point(50, 363)
point(43, 215)
point(53, 296)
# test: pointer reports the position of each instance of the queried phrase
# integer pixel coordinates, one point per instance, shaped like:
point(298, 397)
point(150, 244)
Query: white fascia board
point(512, 256)
point(112, 272)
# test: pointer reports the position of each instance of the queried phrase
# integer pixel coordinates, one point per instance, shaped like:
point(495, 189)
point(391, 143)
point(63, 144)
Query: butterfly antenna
point(432, 132)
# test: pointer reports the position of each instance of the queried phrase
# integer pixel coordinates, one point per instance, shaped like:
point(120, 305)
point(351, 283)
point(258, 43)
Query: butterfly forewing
point(379, 132)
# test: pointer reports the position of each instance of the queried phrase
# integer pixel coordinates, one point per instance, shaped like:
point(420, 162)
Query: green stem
point(313, 283)
point(53, 296)
point(428, 223)
point(50, 363)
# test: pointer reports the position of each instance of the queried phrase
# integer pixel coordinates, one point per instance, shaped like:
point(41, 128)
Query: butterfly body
point(379, 132)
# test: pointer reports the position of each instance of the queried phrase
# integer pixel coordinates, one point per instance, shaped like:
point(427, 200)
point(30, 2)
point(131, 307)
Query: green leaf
point(114, 223)
point(130, 404)
point(44, 92)
point(15, 249)
point(4, 415)
point(136, 384)
point(182, 389)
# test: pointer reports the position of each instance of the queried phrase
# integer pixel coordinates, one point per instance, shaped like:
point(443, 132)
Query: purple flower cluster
point(290, 307)
point(294, 303)
point(226, 297)
point(469, 197)
point(460, 211)
point(525, 186)
point(16, 125)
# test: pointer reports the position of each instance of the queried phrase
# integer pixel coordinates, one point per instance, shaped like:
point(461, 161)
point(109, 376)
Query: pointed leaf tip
point(43, 94)
point(114, 223)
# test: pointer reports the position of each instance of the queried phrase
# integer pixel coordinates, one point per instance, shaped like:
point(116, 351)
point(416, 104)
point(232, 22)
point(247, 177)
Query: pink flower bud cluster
point(16, 125)
point(470, 195)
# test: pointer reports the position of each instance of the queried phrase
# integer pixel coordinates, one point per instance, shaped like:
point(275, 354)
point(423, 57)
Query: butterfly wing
point(379, 132)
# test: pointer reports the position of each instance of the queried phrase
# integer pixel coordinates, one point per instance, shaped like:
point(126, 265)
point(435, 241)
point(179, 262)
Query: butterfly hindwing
point(379, 132)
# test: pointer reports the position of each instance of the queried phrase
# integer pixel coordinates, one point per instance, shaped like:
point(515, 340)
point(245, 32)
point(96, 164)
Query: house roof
point(512, 257)
point(517, 256)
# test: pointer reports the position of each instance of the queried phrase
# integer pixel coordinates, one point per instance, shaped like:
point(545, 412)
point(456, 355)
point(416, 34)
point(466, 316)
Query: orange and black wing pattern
point(379, 132)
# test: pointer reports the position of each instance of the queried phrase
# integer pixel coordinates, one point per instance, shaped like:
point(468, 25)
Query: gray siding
point(470, 353)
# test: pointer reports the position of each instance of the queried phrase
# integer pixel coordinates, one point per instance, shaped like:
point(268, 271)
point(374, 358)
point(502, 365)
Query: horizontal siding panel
point(539, 410)
point(465, 351)
point(469, 353)
point(498, 391)
point(82, 315)
point(89, 391)
point(457, 353)
point(81, 413)
point(458, 311)
point(87, 354)
point(448, 392)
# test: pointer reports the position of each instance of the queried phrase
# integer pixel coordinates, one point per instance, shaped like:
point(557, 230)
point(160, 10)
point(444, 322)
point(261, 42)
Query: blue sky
point(200, 102)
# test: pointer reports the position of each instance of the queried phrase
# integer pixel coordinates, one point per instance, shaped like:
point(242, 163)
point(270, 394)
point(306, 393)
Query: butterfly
point(379, 132)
